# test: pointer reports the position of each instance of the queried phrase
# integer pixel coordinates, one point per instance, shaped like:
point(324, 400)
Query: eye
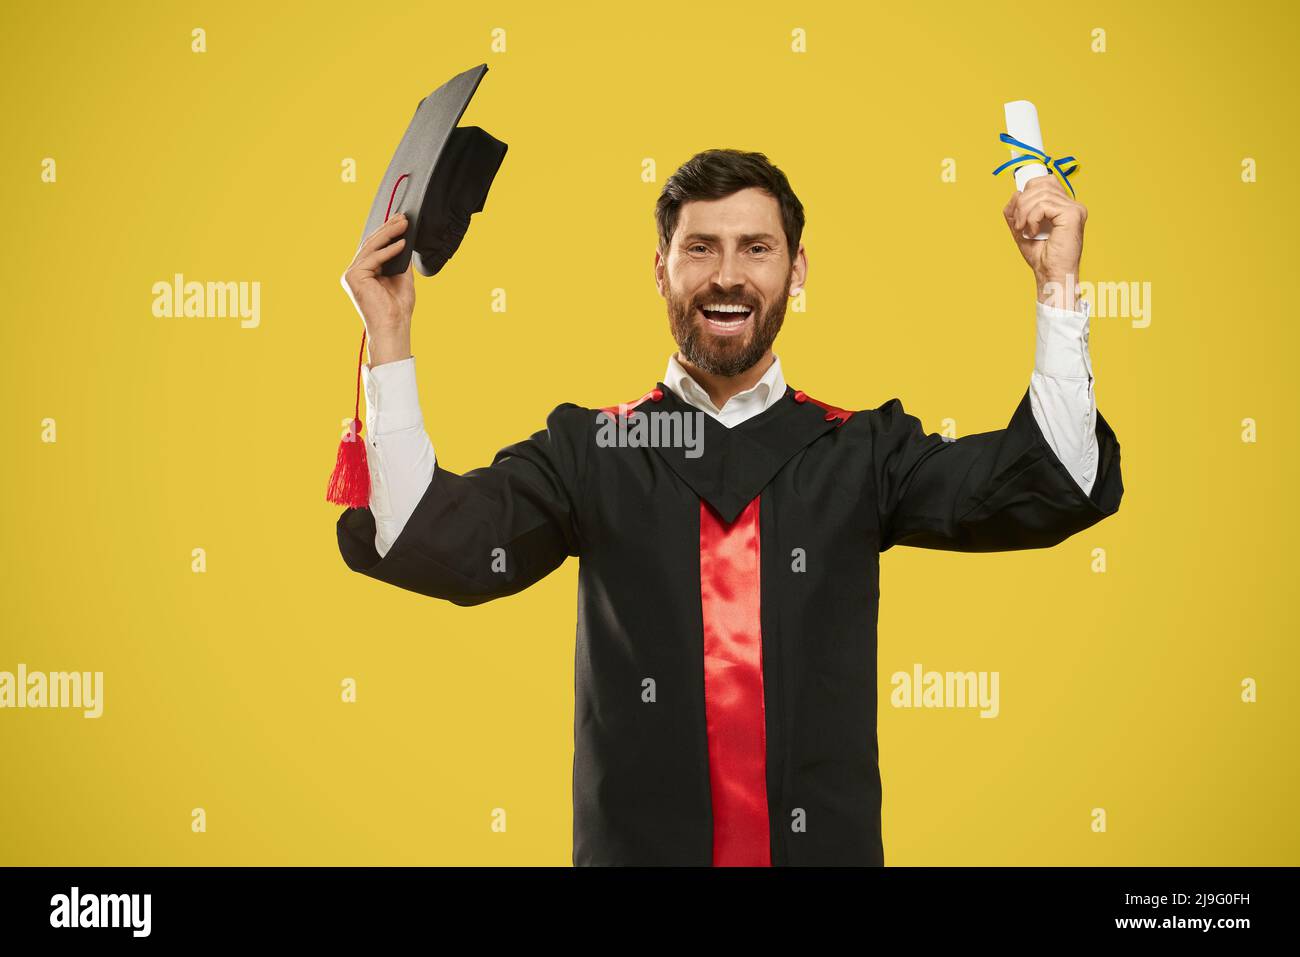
point(696, 246)
point(758, 246)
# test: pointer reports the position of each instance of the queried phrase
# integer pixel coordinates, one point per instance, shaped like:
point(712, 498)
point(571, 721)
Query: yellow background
point(1118, 690)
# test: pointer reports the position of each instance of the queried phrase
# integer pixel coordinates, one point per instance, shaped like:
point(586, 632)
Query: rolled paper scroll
point(1022, 123)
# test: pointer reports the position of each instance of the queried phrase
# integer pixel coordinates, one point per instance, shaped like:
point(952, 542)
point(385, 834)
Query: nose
point(729, 273)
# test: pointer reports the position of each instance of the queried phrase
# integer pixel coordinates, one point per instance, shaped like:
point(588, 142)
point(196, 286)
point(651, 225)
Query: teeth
point(727, 308)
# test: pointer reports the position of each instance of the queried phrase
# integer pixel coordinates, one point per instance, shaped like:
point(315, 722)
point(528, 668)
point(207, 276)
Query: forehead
point(747, 212)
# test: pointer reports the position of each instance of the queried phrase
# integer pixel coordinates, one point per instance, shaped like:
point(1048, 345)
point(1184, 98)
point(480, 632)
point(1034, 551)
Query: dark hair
point(714, 174)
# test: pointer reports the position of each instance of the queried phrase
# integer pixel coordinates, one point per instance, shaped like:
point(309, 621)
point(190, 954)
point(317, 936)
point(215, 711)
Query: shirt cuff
point(392, 399)
point(1062, 348)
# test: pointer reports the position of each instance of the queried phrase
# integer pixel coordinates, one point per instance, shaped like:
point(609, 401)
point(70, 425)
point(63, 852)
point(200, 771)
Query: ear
point(659, 272)
point(798, 272)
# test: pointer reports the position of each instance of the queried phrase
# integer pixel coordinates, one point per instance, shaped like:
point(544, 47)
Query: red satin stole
point(733, 686)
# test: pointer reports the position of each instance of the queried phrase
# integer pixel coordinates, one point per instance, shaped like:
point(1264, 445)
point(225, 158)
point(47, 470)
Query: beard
point(723, 355)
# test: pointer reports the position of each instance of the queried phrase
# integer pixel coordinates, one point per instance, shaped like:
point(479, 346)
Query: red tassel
point(350, 481)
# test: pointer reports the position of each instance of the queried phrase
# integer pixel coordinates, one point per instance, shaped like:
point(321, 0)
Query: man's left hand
point(1043, 203)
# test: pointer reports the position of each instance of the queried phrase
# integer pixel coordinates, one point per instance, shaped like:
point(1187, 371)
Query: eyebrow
point(747, 238)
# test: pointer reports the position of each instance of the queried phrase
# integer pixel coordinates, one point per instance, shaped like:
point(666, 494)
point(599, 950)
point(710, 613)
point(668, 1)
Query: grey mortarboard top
point(439, 176)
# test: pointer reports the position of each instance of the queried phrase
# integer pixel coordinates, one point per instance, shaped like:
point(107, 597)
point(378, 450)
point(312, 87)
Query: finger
point(1044, 212)
point(1024, 199)
point(395, 226)
point(1023, 208)
point(1031, 204)
point(1011, 213)
point(404, 278)
point(370, 265)
point(1012, 210)
point(1027, 212)
point(1024, 242)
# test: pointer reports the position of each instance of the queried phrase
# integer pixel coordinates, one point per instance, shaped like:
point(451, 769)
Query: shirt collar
point(768, 390)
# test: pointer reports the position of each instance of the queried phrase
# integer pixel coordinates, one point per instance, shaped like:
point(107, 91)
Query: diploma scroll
point(1022, 123)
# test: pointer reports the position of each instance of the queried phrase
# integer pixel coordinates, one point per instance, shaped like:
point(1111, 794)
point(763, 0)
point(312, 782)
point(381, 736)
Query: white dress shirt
point(402, 460)
point(763, 394)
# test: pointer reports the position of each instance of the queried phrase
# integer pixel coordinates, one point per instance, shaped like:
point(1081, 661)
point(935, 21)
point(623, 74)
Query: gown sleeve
point(490, 532)
point(986, 492)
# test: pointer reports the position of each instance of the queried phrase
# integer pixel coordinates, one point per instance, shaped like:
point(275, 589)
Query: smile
point(726, 320)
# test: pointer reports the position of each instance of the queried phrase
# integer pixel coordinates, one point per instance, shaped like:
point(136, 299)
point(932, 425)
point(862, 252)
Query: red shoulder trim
point(832, 411)
point(654, 395)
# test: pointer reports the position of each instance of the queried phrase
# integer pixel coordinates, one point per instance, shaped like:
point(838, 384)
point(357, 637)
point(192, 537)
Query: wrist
point(391, 345)
point(1060, 292)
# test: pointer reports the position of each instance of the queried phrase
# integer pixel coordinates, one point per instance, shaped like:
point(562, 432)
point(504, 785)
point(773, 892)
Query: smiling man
point(725, 708)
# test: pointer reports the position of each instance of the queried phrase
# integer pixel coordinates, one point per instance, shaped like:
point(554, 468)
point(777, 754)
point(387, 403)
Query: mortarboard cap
point(439, 177)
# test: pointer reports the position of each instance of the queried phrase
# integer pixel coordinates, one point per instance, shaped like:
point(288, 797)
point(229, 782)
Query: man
point(728, 589)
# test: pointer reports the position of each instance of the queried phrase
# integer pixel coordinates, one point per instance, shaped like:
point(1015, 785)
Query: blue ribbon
point(1032, 155)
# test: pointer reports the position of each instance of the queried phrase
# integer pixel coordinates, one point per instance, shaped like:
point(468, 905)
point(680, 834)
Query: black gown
point(725, 707)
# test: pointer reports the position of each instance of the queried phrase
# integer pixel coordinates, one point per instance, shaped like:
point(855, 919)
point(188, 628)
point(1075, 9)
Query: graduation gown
point(725, 667)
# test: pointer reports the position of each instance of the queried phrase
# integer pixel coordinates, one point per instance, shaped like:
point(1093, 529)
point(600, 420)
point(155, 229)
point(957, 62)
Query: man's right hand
point(384, 302)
